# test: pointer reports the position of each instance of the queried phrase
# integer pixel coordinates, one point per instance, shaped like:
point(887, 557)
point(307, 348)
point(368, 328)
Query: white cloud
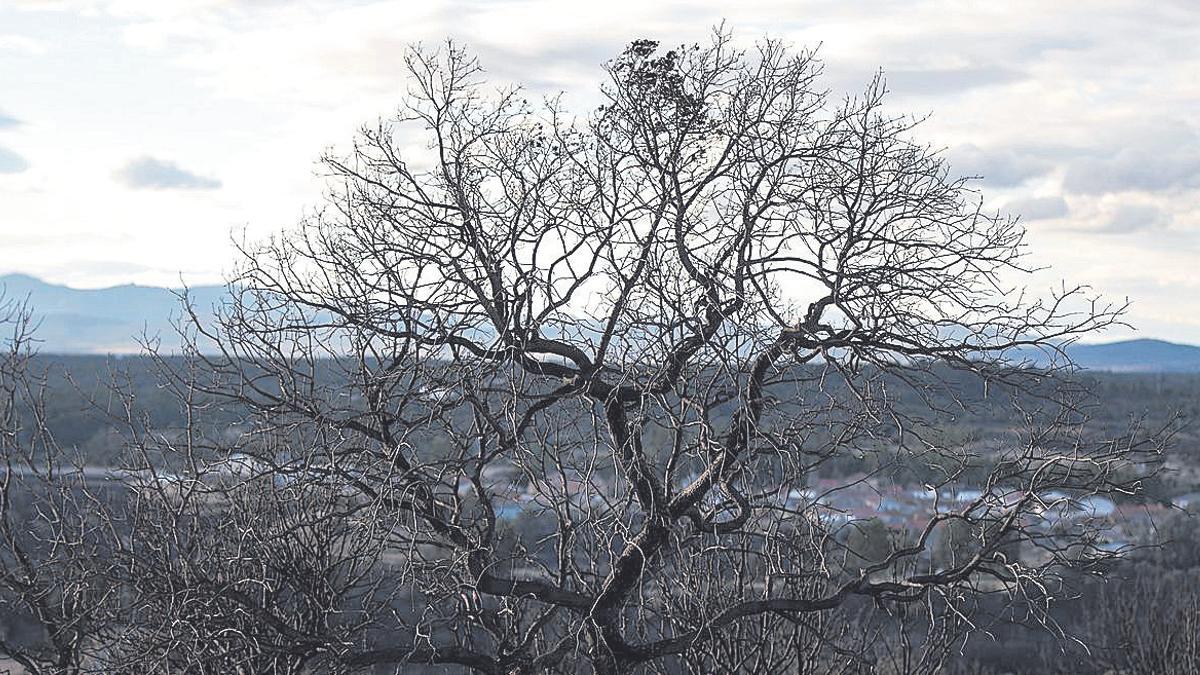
point(1088, 103)
point(21, 44)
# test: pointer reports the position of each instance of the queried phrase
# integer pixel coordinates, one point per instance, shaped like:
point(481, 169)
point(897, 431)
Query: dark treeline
point(79, 409)
point(1135, 616)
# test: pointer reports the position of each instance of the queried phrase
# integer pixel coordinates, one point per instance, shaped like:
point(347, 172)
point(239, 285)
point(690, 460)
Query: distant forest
point(79, 393)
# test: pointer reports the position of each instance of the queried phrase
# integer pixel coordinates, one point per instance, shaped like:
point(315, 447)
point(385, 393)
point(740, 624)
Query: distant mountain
point(104, 320)
point(1138, 356)
point(111, 320)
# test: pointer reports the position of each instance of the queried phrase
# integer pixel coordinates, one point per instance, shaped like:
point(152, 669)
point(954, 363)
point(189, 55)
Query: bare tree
point(534, 393)
point(54, 598)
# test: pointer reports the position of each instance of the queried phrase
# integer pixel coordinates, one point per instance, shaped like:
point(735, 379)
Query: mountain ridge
point(113, 319)
point(104, 320)
point(1138, 355)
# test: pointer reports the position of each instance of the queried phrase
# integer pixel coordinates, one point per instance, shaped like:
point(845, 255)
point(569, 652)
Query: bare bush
point(56, 603)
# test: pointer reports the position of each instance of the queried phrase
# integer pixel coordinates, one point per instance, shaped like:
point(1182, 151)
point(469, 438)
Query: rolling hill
point(1138, 356)
point(113, 320)
point(105, 320)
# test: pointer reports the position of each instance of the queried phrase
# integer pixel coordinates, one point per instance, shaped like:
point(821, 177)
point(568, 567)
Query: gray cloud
point(1158, 155)
point(1038, 208)
point(11, 162)
point(999, 167)
point(573, 63)
point(148, 173)
point(1164, 155)
point(1134, 218)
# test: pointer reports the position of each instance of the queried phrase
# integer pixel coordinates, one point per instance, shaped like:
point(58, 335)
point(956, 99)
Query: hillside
point(105, 320)
point(1138, 356)
point(113, 320)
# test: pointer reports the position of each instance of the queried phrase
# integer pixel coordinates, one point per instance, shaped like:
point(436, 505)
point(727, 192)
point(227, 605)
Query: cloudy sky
point(136, 136)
